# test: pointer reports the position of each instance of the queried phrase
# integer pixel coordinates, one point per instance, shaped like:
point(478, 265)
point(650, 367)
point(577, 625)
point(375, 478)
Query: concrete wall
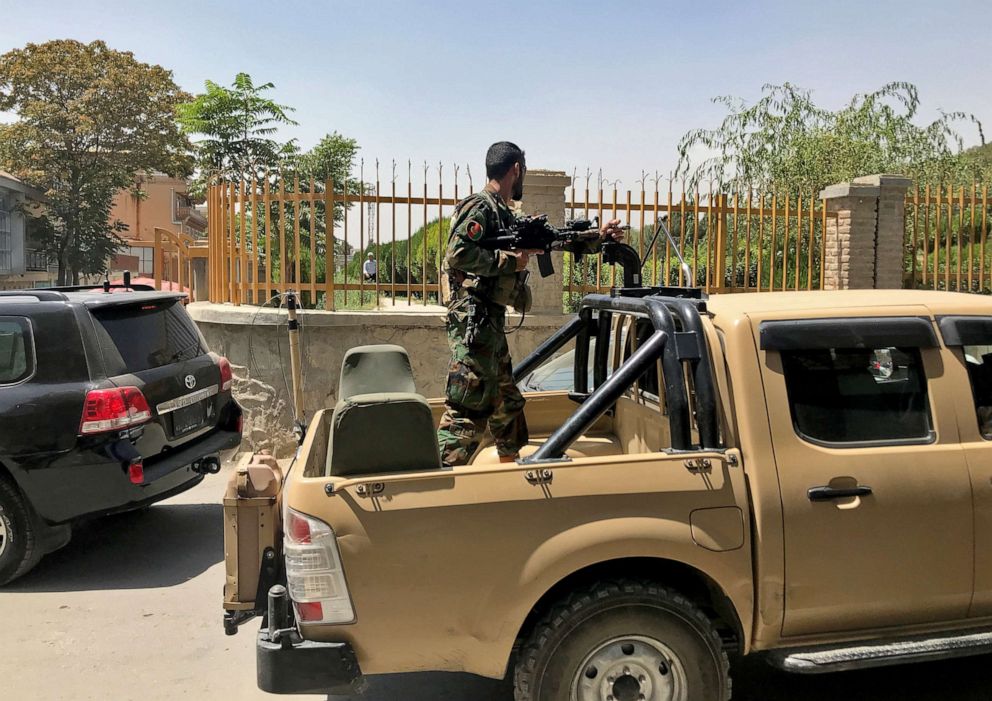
point(256, 343)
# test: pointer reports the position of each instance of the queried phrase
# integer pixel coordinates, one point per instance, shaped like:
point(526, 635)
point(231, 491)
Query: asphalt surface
point(130, 609)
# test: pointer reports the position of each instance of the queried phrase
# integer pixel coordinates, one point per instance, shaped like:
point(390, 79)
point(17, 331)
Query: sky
point(606, 85)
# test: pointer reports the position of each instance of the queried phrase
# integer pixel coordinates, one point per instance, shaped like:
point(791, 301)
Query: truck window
point(646, 386)
point(857, 395)
point(978, 360)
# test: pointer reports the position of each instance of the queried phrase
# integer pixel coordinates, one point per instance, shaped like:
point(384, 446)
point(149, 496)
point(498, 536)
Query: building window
point(858, 395)
point(146, 259)
point(6, 247)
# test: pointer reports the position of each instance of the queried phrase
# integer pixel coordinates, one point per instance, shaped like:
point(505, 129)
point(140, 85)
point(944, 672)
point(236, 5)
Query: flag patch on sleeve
point(474, 231)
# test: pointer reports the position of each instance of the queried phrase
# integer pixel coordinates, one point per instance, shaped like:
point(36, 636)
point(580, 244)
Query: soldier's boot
point(509, 458)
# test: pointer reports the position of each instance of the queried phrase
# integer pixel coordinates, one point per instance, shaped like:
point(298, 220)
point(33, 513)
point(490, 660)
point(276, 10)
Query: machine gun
point(537, 234)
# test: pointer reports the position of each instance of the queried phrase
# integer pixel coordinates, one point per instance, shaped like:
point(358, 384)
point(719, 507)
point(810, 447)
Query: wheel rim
point(631, 668)
point(4, 535)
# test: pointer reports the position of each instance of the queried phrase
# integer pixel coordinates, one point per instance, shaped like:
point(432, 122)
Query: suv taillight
point(314, 574)
point(113, 409)
point(226, 374)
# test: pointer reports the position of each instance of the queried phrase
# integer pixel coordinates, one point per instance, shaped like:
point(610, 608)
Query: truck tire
point(18, 545)
point(623, 641)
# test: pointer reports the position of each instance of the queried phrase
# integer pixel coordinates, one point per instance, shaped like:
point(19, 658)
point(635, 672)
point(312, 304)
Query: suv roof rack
point(45, 294)
point(101, 286)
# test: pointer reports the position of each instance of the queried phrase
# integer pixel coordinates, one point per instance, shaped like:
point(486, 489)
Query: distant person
point(370, 268)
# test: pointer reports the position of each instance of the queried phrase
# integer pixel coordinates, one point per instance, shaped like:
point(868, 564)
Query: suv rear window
point(16, 350)
point(147, 336)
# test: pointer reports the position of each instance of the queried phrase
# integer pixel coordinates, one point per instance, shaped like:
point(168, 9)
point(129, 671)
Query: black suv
point(109, 401)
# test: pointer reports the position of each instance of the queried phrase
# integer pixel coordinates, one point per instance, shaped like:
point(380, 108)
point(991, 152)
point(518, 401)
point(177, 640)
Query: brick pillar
point(891, 228)
point(864, 245)
point(544, 193)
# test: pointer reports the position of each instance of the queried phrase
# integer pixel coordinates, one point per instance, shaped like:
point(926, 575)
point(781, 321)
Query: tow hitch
point(207, 466)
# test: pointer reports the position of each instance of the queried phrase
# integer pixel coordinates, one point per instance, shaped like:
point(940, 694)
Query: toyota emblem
point(190, 382)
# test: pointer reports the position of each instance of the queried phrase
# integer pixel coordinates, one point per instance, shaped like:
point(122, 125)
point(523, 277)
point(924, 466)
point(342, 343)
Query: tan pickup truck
point(801, 475)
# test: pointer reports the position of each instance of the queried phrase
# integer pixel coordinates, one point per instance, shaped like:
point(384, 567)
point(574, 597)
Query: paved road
point(131, 610)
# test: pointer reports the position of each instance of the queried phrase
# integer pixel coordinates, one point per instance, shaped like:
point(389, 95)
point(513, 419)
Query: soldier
point(480, 388)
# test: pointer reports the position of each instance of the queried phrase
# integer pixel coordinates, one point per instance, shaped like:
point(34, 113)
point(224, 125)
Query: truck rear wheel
point(18, 549)
point(627, 640)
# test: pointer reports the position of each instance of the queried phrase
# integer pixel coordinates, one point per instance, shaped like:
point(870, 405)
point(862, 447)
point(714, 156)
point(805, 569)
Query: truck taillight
point(226, 374)
point(113, 409)
point(314, 575)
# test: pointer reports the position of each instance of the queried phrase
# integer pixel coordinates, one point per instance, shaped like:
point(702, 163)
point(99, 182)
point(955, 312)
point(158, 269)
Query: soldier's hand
point(611, 230)
point(523, 257)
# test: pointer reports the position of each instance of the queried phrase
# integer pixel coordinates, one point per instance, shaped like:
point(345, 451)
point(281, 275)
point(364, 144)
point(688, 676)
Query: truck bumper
point(306, 667)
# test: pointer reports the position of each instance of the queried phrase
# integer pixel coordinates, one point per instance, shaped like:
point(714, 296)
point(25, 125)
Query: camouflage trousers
point(480, 390)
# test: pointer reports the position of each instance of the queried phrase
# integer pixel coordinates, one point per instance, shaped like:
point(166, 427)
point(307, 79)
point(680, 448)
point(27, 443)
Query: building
point(165, 204)
point(22, 265)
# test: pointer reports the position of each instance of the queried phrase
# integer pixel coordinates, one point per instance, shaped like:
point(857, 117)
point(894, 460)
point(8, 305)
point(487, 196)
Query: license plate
point(188, 418)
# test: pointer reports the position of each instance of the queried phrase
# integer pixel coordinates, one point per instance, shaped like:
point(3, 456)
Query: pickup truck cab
point(803, 475)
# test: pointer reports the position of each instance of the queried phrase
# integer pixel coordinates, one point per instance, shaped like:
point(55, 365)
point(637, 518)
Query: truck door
point(969, 341)
point(875, 488)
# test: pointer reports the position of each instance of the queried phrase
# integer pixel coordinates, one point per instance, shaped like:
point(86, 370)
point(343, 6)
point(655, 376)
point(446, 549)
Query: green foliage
point(785, 141)
point(407, 256)
point(89, 119)
point(238, 125)
point(333, 158)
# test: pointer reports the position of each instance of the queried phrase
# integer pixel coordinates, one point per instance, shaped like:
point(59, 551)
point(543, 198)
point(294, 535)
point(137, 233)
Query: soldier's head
point(506, 164)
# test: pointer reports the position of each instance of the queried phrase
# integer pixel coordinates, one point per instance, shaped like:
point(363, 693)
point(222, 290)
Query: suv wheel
point(18, 551)
point(628, 640)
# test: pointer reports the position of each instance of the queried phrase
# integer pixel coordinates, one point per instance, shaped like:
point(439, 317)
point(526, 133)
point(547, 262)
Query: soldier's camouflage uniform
point(480, 388)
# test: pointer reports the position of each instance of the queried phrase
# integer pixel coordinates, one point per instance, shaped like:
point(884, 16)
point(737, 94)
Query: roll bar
point(672, 345)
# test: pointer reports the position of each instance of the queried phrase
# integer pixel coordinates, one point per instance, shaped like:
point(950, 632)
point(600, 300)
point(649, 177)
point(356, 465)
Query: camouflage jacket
point(488, 275)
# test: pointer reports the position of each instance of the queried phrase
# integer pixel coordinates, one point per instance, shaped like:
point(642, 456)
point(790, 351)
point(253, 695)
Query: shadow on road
point(955, 680)
point(432, 686)
point(754, 680)
point(162, 546)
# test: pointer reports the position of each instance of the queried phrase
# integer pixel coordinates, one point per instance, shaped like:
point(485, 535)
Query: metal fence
point(275, 234)
point(270, 236)
point(946, 233)
point(732, 241)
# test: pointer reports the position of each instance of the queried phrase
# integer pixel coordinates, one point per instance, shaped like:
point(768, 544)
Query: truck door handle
point(829, 493)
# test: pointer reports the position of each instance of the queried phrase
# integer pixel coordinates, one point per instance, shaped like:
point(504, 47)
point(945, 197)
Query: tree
point(786, 141)
point(331, 159)
point(89, 119)
point(238, 124)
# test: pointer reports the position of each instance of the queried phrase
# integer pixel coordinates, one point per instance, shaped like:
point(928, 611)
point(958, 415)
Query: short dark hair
point(500, 158)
